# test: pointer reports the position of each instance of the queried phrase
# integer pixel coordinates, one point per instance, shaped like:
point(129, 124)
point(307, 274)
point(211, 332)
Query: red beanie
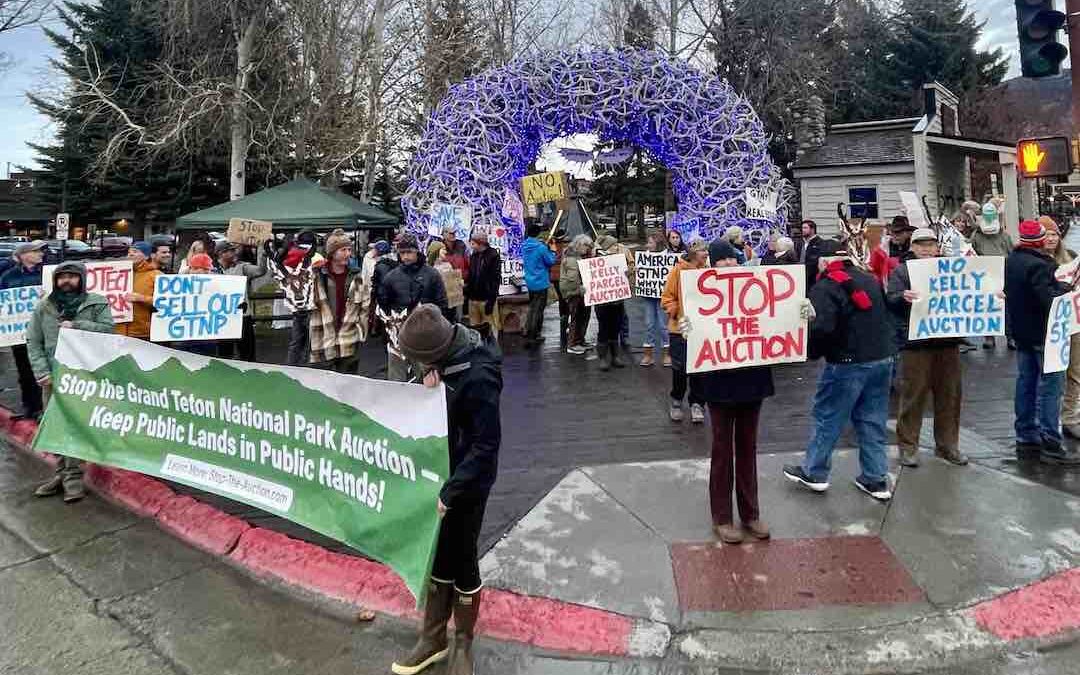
point(200, 261)
point(1032, 234)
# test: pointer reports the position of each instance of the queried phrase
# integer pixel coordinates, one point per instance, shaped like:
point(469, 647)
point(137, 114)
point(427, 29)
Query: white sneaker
point(675, 411)
point(576, 349)
point(697, 414)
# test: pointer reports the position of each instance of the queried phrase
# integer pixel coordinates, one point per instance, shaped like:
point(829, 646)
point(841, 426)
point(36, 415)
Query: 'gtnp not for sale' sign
point(742, 317)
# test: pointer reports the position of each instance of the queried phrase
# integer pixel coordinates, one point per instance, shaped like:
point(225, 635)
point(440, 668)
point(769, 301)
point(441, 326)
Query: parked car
point(114, 247)
point(73, 250)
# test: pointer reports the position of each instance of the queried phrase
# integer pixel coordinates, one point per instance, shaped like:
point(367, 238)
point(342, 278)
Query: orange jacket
point(143, 283)
point(671, 298)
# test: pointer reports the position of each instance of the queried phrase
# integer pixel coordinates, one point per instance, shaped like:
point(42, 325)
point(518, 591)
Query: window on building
point(862, 202)
point(948, 120)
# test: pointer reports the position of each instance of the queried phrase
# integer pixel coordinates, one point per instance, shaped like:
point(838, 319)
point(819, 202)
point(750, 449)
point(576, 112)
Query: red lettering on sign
point(751, 297)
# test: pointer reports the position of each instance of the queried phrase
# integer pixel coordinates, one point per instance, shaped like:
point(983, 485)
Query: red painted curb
point(22, 431)
point(201, 525)
point(1045, 608)
point(545, 623)
point(134, 491)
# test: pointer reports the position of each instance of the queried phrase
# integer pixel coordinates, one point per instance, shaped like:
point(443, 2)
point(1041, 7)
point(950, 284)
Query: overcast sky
point(31, 50)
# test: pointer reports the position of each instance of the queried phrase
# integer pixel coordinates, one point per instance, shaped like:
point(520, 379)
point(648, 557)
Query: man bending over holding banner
point(472, 371)
point(927, 367)
point(68, 306)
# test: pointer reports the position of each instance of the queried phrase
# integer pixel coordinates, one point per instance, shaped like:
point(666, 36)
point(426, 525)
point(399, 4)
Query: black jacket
point(406, 286)
point(900, 309)
point(842, 333)
point(473, 388)
point(739, 385)
point(813, 254)
point(485, 276)
point(383, 267)
point(1030, 288)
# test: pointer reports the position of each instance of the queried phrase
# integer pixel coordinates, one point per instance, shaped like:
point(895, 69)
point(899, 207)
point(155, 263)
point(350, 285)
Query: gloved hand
point(684, 326)
point(489, 307)
point(807, 311)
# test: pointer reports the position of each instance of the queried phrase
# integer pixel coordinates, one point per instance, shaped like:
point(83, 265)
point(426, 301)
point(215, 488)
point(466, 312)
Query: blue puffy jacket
point(538, 259)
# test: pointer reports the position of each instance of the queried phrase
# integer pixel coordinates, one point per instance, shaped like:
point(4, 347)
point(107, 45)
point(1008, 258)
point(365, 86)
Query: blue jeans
point(656, 332)
point(858, 392)
point(1038, 400)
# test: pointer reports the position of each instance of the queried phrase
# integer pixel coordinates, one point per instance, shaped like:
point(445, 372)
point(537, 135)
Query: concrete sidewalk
point(846, 584)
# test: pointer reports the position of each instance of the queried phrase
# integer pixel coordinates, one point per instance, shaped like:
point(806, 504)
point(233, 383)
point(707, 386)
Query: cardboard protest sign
point(744, 316)
point(651, 272)
point(1061, 325)
point(249, 232)
point(360, 461)
point(959, 297)
point(761, 204)
point(913, 209)
point(111, 278)
point(545, 187)
point(604, 279)
point(16, 307)
point(513, 275)
point(454, 283)
point(450, 215)
point(198, 307)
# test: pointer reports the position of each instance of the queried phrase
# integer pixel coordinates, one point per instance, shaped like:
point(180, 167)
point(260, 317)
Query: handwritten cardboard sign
point(197, 307)
point(111, 278)
point(604, 279)
point(513, 275)
point(761, 204)
point(454, 216)
point(249, 232)
point(960, 297)
point(651, 271)
point(545, 187)
point(744, 316)
point(1061, 325)
point(913, 209)
point(16, 307)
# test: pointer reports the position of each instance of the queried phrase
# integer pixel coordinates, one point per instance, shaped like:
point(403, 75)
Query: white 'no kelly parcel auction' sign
point(744, 316)
point(604, 279)
point(959, 297)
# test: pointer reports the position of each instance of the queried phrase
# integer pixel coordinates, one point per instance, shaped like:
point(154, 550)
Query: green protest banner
point(358, 460)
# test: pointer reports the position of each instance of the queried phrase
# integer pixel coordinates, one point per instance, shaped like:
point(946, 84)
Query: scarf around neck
point(67, 303)
point(837, 273)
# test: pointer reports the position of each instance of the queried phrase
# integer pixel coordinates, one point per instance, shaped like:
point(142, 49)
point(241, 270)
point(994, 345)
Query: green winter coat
point(44, 329)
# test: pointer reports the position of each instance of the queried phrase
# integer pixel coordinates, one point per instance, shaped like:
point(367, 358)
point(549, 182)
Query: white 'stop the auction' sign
point(744, 316)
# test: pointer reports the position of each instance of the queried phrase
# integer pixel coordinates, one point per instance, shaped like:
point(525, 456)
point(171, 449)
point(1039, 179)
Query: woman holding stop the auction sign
point(734, 399)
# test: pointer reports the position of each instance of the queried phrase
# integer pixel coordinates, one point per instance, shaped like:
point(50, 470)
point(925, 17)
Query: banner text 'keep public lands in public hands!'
point(358, 460)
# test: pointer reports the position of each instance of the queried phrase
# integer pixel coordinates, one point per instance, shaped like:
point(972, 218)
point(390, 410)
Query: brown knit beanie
point(426, 335)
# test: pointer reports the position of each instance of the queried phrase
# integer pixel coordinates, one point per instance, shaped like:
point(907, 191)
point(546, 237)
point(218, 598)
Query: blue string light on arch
point(485, 133)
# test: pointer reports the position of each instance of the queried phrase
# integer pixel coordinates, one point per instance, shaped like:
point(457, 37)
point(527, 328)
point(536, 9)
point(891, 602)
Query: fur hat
point(426, 335)
point(335, 242)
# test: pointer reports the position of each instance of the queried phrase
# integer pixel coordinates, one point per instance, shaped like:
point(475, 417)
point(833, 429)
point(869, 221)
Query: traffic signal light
point(1038, 24)
point(1044, 157)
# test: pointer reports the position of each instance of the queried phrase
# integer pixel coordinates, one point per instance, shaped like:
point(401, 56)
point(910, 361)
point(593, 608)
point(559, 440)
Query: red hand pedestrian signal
point(1044, 157)
point(1032, 156)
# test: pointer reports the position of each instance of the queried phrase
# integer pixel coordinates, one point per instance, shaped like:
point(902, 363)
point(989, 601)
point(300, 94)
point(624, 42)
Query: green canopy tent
point(297, 205)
